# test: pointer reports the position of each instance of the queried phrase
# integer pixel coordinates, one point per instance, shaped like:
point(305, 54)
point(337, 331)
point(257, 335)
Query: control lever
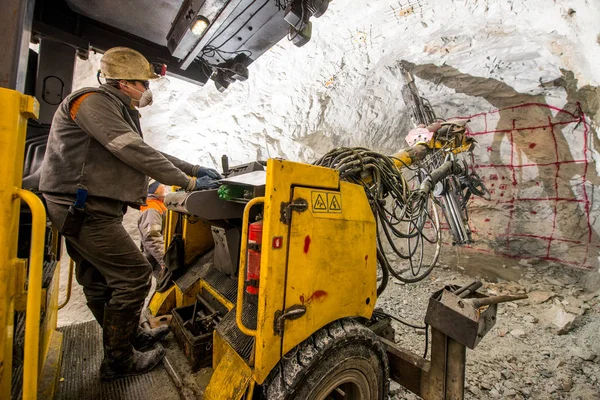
point(487, 301)
point(225, 165)
point(467, 290)
point(477, 302)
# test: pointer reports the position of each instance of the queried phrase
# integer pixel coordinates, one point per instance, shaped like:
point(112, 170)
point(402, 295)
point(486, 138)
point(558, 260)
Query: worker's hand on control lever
point(201, 172)
point(205, 183)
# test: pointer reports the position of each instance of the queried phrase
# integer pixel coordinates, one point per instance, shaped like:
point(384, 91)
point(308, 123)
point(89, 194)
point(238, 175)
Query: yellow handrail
point(242, 271)
point(250, 392)
point(34, 293)
point(69, 284)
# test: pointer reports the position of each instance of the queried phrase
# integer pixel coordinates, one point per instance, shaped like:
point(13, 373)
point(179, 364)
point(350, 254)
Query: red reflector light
point(277, 242)
point(251, 290)
point(253, 266)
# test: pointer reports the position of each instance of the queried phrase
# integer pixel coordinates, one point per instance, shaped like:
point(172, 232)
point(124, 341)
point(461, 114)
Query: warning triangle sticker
point(319, 204)
point(335, 204)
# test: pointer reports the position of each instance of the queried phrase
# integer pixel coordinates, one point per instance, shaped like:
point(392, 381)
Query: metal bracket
point(456, 313)
point(299, 205)
point(294, 312)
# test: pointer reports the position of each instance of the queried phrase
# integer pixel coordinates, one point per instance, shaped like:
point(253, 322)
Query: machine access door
point(332, 263)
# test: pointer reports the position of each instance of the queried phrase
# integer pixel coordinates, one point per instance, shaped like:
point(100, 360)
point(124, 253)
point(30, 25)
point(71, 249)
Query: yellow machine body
point(197, 240)
point(197, 237)
point(321, 258)
point(332, 260)
point(13, 124)
point(232, 378)
point(43, 344)
point(318, 265)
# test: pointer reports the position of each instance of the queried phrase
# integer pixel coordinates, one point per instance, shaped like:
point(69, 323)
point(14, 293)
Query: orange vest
point(74, 107)
point(155, 204)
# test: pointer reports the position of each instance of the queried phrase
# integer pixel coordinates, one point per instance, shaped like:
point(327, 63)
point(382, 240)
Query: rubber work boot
point(120, 358)
point(144, 338)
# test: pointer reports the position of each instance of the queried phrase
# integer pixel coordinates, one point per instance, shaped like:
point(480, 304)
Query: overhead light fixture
point(199, 26)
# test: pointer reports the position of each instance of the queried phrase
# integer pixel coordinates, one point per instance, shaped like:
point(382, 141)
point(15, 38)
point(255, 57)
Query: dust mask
point(145, 99)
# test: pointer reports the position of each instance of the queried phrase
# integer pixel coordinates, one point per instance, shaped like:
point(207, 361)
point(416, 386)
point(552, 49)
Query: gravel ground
point(545, 347)
point(526, 354)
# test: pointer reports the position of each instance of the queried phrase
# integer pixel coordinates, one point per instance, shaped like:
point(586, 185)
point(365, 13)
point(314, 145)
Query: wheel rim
point(350, 384)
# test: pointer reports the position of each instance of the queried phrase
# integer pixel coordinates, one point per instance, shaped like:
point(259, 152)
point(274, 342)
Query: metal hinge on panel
point(294, 312)
point(299, 205)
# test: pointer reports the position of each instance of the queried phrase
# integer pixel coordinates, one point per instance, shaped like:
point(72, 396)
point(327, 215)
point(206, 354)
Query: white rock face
point(470, 58)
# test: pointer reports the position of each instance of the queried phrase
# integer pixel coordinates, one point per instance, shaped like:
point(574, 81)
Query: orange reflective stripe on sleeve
point(155, 204)
point(75, 104)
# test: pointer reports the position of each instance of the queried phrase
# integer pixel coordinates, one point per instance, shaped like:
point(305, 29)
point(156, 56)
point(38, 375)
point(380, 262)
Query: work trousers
point(156, 268)
point(109, 265)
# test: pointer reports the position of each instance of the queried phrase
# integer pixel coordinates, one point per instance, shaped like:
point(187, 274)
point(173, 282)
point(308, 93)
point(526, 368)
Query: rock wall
point(524, 71)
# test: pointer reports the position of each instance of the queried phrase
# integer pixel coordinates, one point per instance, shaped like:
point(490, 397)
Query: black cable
point(281, 5)
point(382, 313)
point(230, 23)
point(382, 262)
point(405, 219)
point(204, 66)
point(409, 167)
point(426, 340)
point(221, 52)
point(216, 50)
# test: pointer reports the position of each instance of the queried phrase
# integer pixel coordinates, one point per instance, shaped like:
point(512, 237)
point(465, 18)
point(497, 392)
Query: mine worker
point(151, 224)
point(96, 164)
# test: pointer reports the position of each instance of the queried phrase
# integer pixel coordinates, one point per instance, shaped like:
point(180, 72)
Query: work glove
point(200, 172)
point(204, 183)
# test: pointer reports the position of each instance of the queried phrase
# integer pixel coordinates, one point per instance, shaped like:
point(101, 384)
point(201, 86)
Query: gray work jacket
point(103, 150)
point(151, 224)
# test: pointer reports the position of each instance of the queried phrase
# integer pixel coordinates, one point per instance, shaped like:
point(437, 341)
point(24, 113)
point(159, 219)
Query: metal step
point(227, 328)
point(18, 348)
point(229, 331)
point(19, 334)
point(48, 273)
point(80, 377)
point(221, 283)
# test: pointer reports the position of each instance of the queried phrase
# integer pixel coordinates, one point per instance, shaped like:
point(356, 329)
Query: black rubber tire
point(341, 350)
